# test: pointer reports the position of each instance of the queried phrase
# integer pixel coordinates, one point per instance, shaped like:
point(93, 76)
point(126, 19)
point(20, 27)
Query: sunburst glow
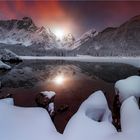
point(59, 33)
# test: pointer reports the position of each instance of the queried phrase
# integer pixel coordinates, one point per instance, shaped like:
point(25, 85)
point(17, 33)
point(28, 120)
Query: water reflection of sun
point(59, 79)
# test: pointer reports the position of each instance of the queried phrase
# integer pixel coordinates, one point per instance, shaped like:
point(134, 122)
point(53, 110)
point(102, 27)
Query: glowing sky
point(73, 16)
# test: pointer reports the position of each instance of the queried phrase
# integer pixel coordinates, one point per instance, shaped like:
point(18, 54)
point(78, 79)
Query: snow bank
point(7, 101)
point(130, 119)
point(7, 55)
point(4, 66)
point(134, 61)
point(128, 87)
point(92, 120)
point(48, 94)
point(18, 123)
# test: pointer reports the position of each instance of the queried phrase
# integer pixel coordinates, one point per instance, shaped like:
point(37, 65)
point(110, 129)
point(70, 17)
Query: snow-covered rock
point(92, 120)
point(51, 109)
point(128, 87)
point(19, 123)
point(4, 66)
point(45, 99)
point(130, 115)
point(7, 55)
point(48, 94)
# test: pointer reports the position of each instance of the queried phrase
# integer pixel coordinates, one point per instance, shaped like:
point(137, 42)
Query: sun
point(59, 80)
point(59, 33)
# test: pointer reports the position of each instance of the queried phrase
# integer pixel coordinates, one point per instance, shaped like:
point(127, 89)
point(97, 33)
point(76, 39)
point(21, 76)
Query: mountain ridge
point(112, 41)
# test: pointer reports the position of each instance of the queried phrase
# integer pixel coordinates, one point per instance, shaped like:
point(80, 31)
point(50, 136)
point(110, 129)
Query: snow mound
point(7, 55)
point(92, 120)
point(130, 115)
point(48, 94)
point(4, 66)
point(128, 87)
point(19, 123)
point(8, 101)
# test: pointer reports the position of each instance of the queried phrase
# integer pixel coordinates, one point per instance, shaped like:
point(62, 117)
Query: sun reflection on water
point(59, 80)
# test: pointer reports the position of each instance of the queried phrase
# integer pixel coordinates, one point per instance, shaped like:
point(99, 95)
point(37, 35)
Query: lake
point(73, 82)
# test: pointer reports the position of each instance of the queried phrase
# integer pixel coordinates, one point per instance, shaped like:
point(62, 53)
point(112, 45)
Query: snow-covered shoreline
point(134, 61)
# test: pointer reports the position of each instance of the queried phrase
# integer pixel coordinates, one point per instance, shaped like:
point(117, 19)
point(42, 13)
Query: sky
point(74, 17)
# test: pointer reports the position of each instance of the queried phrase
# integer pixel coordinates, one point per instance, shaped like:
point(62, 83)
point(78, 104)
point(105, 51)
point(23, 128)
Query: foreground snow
point(128, 87)
point(18, 123)
point(92, 121)
point(134, 61)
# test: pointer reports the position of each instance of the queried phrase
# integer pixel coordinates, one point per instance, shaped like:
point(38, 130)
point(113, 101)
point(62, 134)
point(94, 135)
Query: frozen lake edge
point(134, 61)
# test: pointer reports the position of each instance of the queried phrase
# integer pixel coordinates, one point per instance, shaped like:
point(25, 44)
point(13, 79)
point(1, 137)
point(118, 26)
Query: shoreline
point(134, 61)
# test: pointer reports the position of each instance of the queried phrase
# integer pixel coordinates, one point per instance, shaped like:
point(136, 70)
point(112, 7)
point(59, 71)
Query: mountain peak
point(25, 23)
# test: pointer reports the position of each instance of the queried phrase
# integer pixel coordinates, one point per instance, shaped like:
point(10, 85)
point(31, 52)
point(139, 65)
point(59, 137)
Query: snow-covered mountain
point(85, 37)
point(123, 40)
point(113, 41)
point(26, 33)
point(68, 42)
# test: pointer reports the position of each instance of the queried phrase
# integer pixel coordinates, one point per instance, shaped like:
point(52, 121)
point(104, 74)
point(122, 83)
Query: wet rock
point(44, 98)
point(63, 108)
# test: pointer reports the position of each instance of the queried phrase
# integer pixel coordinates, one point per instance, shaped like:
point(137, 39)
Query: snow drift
point(18, 123)
point(128, 87)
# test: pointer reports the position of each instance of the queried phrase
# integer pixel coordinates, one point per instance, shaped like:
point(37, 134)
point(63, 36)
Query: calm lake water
point(80, 79)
